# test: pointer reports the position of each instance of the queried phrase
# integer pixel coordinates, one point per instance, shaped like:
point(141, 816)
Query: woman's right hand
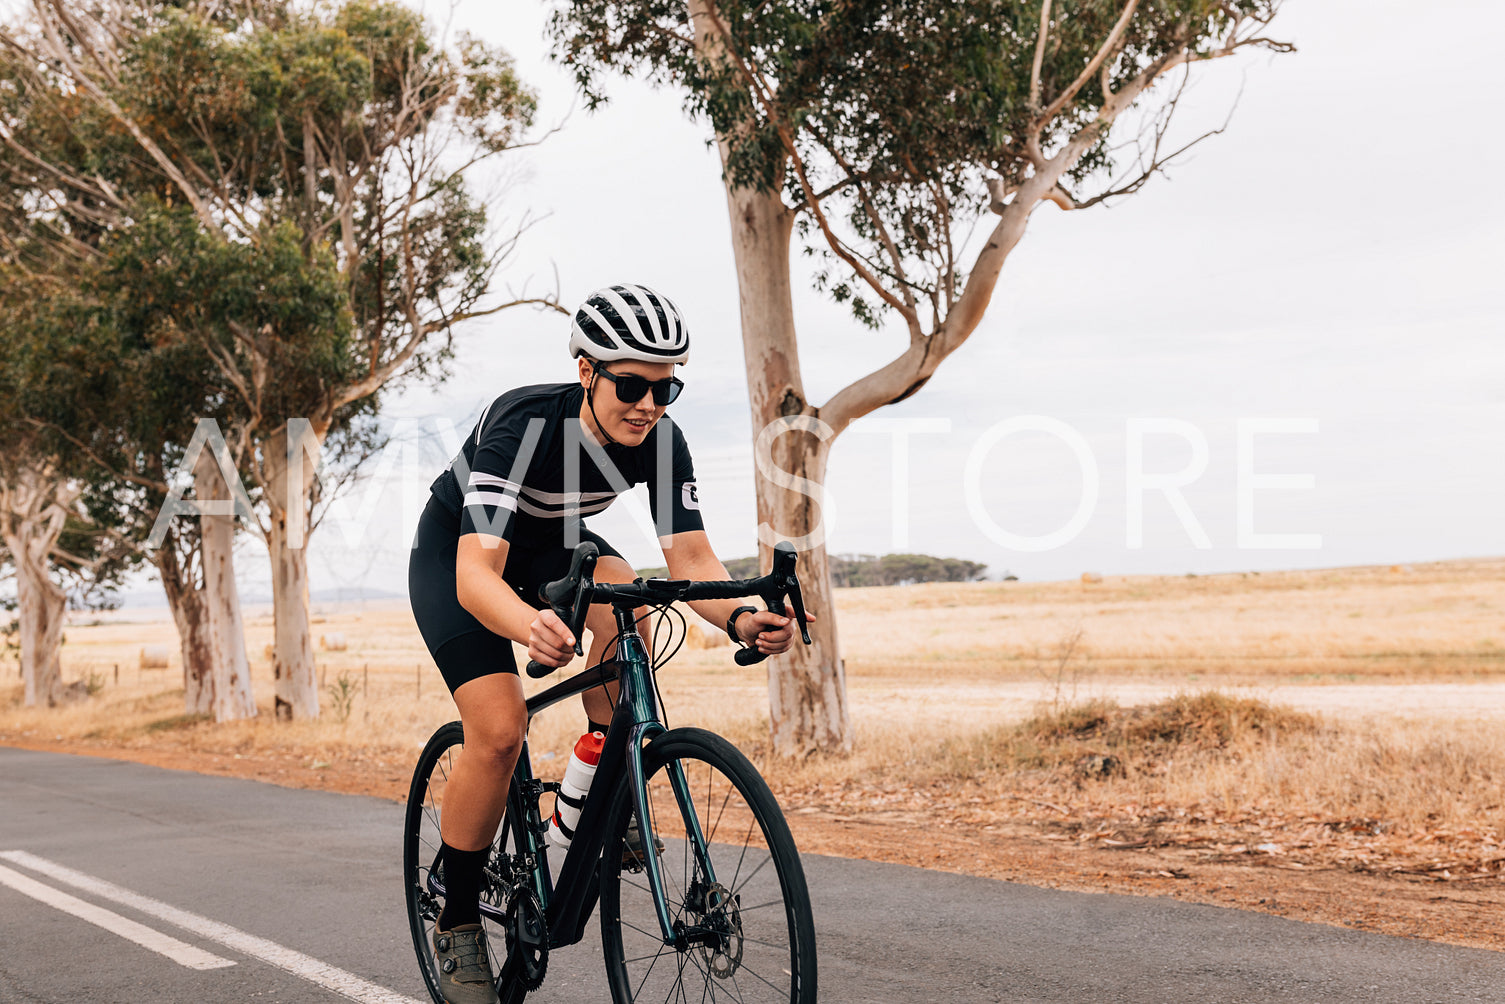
point(549, 640)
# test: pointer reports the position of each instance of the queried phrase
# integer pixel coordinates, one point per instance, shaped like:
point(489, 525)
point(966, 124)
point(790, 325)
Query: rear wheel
point(740, 906)
point(423, 873)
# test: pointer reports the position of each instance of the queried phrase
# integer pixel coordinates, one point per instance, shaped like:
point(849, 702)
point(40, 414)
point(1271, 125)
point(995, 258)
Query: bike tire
point(777, 960)
point(420, 848)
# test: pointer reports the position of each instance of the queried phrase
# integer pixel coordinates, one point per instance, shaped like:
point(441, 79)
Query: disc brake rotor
point(723, 915)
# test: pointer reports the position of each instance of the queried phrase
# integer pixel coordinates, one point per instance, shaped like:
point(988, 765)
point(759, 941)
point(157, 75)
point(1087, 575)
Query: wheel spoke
point(679, 984)
point(644, 933)
point(750, 909)
point(743, 856)
point(719, 813)
point(646, 975)
point(766, 944)
point(736, 888)
point(760, 979)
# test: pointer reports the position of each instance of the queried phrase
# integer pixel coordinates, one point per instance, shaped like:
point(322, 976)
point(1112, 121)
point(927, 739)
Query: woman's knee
point(495, 724)
point(496, 743)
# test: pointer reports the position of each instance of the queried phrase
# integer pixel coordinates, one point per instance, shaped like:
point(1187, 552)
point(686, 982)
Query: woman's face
point(627, 422)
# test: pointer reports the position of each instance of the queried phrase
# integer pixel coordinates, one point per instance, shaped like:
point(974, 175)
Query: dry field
point(1326, 744)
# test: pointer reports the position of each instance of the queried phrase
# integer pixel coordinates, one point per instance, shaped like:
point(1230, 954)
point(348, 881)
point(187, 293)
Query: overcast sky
point(1332, 261)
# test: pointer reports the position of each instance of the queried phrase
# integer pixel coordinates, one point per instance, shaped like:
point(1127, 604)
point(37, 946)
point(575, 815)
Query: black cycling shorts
point(463, 647)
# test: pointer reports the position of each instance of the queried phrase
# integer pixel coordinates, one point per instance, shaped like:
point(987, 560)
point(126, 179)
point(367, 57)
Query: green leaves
point(494, 106)
point(889, 117)
point(278, 319)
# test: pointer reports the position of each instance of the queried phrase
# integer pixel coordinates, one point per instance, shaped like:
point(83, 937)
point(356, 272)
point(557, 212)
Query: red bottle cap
point(588, 747)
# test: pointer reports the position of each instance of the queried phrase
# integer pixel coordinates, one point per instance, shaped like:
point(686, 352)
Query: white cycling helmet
point(630, 322)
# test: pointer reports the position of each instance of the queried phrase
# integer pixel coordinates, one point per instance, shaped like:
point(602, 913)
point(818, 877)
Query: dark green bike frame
point(637, 720)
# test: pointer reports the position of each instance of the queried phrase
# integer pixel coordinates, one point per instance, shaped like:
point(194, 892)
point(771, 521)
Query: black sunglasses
point(631, 387)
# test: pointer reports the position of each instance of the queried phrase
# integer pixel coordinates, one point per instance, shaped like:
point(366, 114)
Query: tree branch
point(59, 51)
point(911, 316)
point(1158, 163)
point(129, 476)
point(1109, 45)
point(764, 96)
point(1034, 73)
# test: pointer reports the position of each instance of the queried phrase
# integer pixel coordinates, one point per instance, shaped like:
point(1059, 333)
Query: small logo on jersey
point(688, 497)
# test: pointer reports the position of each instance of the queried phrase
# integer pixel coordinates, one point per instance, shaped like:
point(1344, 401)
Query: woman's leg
point(495, 717)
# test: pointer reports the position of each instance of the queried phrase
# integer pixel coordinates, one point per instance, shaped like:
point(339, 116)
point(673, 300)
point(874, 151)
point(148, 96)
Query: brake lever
point(582, 575)
point(581, 607)
point(786, 583)
point(784, 559)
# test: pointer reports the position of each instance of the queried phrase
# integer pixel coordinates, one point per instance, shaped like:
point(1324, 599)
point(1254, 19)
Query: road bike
point(718, 911)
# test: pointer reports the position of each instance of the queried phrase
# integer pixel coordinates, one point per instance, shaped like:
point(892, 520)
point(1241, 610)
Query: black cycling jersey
point(530, 474)
point(530, 469)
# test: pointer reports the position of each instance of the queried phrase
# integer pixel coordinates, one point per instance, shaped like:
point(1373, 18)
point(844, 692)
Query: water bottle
point(577, 781)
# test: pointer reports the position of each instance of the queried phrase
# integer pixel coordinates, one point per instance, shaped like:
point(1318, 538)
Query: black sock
point(462, 886)
point(591, 726)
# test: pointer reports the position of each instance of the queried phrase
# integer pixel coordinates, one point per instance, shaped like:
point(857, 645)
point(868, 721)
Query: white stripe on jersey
point(568, 497)
point(481, 425)
point(524, 506)
point(491, 498)
point(554, 498)
point(477, 478)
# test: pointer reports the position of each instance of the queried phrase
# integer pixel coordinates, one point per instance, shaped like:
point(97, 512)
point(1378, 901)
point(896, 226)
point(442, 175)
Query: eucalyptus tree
point(350, 122)
point(56, 524)
point(173, 293)
point(35, 500)
point(882, 134)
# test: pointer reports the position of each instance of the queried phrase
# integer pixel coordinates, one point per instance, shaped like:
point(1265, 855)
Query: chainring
point(527, 938)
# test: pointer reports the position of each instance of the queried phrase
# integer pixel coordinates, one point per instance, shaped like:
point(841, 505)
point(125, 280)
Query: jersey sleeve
point(506, 444)
point(683, 495)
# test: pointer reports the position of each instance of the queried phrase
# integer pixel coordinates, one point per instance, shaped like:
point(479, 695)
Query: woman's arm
point(479, 563)
point(689, 556)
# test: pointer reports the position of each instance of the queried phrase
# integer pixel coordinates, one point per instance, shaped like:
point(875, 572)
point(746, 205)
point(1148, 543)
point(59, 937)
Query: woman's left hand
point(768, 632)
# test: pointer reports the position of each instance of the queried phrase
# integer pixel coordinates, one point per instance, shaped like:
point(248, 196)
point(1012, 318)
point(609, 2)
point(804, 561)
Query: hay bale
point(1091, 578)
point(334, 641)
point(154, 656)
point(698, 636)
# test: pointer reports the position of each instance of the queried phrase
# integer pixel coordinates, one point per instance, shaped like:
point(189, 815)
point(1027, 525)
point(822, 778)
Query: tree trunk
point(231, 673)
point(293, 651)
point(806, 687)
point(33, 511)
point(190, 612)
point(40, 605)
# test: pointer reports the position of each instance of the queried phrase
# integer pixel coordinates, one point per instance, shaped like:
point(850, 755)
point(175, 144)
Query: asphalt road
point(120, 882)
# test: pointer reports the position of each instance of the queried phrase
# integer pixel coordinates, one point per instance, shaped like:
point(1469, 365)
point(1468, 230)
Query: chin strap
point(590, 402)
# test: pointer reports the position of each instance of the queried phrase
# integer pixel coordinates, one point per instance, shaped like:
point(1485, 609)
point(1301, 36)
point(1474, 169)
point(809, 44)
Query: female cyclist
point(503, 519)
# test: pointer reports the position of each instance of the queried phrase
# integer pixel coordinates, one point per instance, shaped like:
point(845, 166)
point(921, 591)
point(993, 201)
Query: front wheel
point(738, 899)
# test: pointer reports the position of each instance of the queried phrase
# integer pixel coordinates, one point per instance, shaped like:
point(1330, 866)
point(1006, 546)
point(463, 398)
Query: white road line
point(180, 952)
point(322, 973)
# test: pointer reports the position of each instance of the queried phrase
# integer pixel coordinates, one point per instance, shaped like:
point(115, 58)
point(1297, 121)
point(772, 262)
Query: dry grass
point(1359, 711)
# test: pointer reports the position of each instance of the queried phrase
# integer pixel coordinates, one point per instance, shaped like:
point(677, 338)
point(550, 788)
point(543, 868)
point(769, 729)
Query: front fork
point(638, 700)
